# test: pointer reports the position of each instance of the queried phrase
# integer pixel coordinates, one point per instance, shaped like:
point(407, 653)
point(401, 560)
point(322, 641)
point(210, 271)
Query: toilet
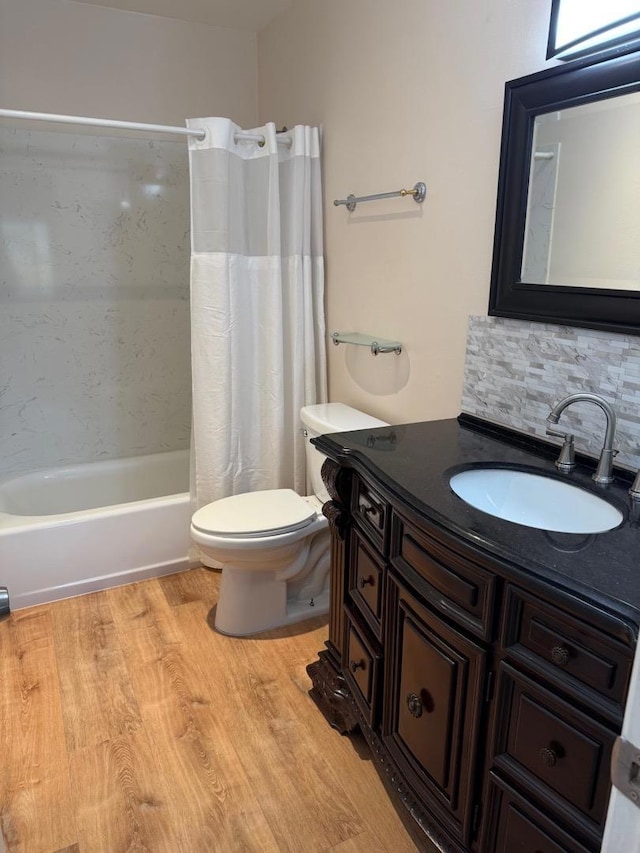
point(273, 545)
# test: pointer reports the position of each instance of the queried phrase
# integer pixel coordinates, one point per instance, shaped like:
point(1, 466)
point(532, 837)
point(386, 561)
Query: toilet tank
point(329, 417)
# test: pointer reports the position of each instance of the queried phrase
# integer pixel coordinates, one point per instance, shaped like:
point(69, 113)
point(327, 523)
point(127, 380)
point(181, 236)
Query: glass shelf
point(376, 345)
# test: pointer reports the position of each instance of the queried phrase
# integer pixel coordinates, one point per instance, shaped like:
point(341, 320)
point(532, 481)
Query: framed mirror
point(567, 237)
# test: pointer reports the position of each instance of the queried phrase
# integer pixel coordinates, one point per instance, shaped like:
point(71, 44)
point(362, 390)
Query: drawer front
point(361, 665)
point(561, 747)
point(563, 647)
point(366, 582)
point(514, 824)
point(455, 585)
point(371, 512)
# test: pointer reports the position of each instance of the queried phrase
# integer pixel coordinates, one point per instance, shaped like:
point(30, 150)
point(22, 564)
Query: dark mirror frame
point(569, 85)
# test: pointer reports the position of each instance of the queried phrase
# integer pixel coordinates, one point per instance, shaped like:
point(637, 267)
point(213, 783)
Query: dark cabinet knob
point(355, 665)
point(370, 510)
point(414, 704)
point(364, 581)
point(548, 756)
point(560, 655)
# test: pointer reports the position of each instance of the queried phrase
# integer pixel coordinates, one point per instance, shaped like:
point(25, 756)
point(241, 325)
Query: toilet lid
point(255, 514)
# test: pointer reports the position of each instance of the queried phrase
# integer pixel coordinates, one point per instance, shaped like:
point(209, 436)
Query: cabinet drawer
point(366, 578)
point(455, 585)
point(560, 747)
point(361, 665)
point(514, 824)
point(371, 512)
point(562, 646)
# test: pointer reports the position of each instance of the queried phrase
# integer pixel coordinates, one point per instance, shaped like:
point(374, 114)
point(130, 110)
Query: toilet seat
point(269, 512)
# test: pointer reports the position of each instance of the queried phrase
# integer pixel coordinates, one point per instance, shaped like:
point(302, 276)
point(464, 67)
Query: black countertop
point(415, 462)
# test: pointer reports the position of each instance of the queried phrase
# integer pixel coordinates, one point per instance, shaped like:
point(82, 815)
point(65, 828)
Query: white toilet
point(273, 545)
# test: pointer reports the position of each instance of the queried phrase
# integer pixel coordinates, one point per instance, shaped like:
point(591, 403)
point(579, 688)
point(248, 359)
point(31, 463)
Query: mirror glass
point(567, 237)
point(583, 209)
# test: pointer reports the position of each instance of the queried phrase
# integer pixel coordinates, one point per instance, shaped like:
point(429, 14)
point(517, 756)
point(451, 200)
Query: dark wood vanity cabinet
point(491, 702)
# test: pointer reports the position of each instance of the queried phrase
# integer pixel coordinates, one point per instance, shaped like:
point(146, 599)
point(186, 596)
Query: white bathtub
point(75, 529)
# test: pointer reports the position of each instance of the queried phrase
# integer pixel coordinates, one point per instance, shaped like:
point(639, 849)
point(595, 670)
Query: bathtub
point(79, 528)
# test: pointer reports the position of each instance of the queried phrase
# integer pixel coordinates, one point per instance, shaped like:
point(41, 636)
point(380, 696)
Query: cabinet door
point(433, 707)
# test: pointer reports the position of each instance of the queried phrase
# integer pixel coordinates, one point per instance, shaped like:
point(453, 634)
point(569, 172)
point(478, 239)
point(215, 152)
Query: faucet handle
point(566, 461)
point(558, 433)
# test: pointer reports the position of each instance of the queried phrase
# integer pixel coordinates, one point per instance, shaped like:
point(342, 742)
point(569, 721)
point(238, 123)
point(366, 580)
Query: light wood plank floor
point(128, 724)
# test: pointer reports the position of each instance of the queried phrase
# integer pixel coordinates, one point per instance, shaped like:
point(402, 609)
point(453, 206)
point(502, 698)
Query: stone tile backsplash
point(516, 370)
point(94, 297)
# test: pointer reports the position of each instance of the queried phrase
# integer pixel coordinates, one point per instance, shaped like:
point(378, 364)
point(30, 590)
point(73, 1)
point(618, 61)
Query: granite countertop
point(415, 463)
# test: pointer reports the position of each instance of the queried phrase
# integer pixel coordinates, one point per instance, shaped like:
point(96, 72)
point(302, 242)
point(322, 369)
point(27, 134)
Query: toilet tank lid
point(337, 417)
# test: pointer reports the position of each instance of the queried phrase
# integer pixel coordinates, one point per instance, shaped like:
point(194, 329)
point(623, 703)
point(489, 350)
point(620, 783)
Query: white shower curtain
point(257, 306)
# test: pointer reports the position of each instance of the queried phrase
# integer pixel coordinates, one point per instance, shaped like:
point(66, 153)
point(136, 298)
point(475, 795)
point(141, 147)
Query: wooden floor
point(128, 724)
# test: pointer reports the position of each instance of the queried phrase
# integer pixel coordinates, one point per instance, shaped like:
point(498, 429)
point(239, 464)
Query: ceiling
point(249, 15)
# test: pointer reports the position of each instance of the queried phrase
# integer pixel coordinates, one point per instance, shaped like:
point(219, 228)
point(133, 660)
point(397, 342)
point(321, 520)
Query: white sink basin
point(535, 501)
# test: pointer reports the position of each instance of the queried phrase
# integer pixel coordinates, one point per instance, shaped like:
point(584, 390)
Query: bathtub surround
point(515, 371)
point(94, 327)
point(257, 305)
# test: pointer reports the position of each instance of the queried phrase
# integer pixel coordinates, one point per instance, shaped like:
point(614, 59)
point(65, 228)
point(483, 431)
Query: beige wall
point(65, 57)
point(406, 91)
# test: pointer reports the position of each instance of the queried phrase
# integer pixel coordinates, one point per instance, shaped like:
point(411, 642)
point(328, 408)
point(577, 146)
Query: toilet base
point(253, 602)
point(208, 562)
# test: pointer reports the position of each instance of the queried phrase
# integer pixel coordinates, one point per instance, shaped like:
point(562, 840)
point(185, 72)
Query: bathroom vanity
point(487, 663)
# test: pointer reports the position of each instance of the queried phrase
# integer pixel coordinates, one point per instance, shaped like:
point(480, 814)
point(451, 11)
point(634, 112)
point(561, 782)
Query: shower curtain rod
point(199, 133)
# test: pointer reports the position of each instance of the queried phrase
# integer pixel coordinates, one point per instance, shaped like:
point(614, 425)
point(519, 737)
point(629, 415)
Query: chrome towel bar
point(418, 192)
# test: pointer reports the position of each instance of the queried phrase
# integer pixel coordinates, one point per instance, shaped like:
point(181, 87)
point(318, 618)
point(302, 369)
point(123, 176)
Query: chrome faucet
point(565, 461)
